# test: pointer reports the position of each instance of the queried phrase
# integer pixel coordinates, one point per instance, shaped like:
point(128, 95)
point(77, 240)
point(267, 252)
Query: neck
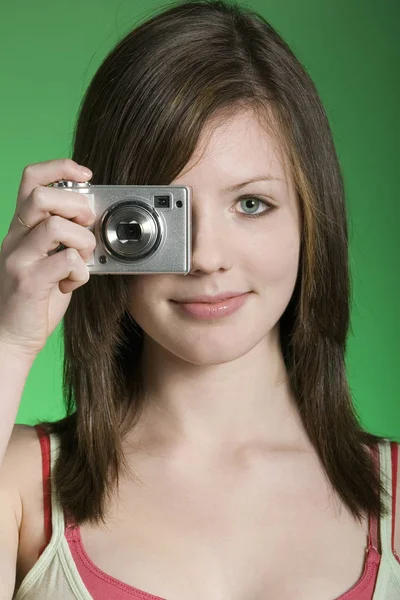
point(206, 410)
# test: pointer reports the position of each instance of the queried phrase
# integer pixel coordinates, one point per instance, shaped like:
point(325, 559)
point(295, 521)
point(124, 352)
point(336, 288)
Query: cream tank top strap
point(55, 574)
point(388, 581)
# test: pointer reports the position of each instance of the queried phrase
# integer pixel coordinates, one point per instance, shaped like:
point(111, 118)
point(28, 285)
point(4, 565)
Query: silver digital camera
point(138, 229)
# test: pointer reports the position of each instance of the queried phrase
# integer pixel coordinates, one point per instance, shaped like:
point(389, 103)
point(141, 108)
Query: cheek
point(277, 274)
point(143, 290)
point(274, 255)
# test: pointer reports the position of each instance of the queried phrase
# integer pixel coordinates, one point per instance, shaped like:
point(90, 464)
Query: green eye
point(252, 204)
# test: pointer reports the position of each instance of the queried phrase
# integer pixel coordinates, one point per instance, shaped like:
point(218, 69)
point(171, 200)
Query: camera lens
point(130, 232)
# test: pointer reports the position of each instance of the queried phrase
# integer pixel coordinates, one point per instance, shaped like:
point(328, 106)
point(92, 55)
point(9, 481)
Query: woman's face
point(231, 250)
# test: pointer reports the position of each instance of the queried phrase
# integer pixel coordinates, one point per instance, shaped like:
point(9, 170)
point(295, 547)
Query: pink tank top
point(102, 586)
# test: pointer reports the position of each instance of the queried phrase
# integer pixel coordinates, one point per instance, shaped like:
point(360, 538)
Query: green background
point(49, 51)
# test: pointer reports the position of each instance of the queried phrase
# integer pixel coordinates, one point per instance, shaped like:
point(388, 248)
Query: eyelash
point(254, 197)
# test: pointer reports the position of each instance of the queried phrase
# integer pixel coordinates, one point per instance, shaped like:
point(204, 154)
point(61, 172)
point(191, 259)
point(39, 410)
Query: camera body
point(138, 229)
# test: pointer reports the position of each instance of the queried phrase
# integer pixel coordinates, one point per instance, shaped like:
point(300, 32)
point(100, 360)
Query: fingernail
point(86, 172)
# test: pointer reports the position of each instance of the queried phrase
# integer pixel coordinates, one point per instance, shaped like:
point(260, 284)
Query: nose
point(212, 250)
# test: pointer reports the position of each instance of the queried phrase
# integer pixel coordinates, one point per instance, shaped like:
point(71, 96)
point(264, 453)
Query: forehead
point(235, 145)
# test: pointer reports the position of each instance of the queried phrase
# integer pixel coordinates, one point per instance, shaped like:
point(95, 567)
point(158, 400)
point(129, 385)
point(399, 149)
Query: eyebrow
point(237, 186)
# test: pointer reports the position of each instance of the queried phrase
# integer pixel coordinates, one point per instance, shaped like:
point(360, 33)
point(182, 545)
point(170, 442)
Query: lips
point(213, 310)
point(202, 298)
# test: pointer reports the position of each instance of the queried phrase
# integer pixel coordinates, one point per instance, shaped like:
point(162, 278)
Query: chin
point(218, 348)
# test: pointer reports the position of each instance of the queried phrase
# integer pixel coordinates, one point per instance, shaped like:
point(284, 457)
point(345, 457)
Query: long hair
point(139, 123)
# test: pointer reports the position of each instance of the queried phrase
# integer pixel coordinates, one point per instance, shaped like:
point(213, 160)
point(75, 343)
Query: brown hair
point(139, 124)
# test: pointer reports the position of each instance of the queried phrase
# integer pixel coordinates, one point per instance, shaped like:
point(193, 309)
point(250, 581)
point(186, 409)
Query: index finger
point(47, 172)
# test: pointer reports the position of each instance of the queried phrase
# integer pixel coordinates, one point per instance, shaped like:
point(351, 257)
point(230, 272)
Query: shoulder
point(19, 466)
point(21, 485)
point(23, 453)
point(397, 504)
point(395, 490)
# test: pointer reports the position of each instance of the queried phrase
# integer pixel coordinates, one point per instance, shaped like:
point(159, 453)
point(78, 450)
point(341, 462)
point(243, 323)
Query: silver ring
point(22, 223)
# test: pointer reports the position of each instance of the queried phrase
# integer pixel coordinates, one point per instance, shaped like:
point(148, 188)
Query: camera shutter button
point(64, 183)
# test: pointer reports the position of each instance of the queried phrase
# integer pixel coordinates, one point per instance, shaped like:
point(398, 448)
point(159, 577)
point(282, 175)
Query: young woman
point(210, 447)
